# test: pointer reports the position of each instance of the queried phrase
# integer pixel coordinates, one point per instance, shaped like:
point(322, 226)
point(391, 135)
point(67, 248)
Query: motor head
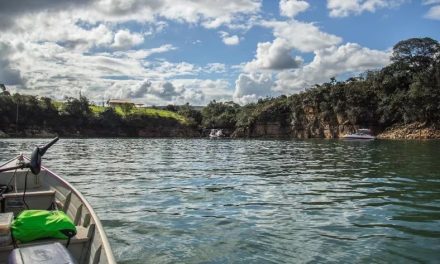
point(35, 164)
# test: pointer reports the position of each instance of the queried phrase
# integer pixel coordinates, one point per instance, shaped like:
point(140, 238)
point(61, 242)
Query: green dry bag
point(35, 224)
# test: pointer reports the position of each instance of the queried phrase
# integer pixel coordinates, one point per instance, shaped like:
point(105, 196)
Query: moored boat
point(216, 133)
point(362, 134)
point(26, 185)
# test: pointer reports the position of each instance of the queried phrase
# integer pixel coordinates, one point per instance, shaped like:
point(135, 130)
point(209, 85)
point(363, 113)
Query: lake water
point(256, 201)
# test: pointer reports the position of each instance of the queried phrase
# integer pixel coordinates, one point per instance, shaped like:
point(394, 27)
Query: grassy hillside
point(142, 111)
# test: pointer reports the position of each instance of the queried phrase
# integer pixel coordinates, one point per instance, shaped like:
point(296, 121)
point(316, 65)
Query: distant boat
point(360, 134)
point(216, 133)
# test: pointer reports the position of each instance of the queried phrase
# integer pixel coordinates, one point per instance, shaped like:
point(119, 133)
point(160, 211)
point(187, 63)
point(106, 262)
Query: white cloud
point(144, 53)
point(273, 56)
point(290, 8)
point(128, 89)
point(164, 90)
point(218, 90)
point(54, 70)
point(61, 72)
point(11, 10)
point(330, 59)
point(207, 13)
point(251, 87)
point(430, 2)
point(305, 37)
point(58, 27)
point(343, 8)
point(215, 68)
point(124, 39)
point(211, 14)
point(331, 62)
point(50, 47)
point(164, 69)
point(177, 91)
point(232, 40)
point(58, 40)
point(228, 39)
point(8, 74)
point(434, 11)
point(289, 36)
point(151, 92)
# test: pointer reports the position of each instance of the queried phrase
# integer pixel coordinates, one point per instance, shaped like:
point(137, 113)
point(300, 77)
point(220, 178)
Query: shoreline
point(414, 131)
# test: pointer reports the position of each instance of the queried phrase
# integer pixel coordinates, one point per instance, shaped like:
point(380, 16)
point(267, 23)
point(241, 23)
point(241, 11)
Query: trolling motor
point(35, 164)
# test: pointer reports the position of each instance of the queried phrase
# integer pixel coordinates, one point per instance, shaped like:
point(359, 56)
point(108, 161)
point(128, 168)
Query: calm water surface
point(255, 201)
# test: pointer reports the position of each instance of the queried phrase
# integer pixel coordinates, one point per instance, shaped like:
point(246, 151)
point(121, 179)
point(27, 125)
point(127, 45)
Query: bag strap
point(14, 242)
point(69, 233)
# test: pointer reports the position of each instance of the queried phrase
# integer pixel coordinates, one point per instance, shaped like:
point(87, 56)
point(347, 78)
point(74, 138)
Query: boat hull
point(46, 190)
point(359, 137)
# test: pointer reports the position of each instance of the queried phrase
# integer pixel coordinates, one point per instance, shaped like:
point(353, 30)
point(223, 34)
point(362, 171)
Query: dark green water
point(238, 201)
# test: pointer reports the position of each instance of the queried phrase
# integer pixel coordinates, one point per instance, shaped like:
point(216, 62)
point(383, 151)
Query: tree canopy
point(416, 53)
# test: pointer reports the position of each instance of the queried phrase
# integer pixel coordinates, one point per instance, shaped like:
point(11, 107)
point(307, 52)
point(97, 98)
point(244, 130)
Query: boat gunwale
point(98, 225)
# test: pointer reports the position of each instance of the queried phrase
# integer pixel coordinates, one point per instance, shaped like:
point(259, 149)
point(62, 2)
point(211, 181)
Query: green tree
point(3, 90)
point(172, 108)
point(194, 117)
point(126, 108)
point(79, 108)
point(416, 53)
point(110, 119)
point(220, 115)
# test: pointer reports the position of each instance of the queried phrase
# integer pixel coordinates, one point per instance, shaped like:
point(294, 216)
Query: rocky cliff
point(327, 130)
point(309, 123)
point(411, 131)
point(309, 130)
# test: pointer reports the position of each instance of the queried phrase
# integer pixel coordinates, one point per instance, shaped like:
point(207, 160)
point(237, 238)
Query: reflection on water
point(202, 201)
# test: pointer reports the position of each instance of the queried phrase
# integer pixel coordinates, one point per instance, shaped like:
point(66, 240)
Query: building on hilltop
point(118, 102)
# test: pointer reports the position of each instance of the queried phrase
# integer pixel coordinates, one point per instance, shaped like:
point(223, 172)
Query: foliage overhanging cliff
point(405, 92)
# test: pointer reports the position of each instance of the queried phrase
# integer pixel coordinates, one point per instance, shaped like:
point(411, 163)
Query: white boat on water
point(216, 133)
point(363, 134)
point(30, 186)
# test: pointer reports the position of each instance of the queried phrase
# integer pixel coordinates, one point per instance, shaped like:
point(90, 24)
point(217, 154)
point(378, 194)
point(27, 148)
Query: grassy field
point(96, 110)
point(147, 111)
point(58, 105)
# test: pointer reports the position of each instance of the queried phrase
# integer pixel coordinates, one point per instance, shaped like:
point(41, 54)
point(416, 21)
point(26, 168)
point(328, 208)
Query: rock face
point(181, 132)
point(311, 125)
point(269, 129)
point(411, 131)
point(277, 130)
point(318, 129)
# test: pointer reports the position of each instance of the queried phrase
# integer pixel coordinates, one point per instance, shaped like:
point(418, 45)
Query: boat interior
point(47, 191)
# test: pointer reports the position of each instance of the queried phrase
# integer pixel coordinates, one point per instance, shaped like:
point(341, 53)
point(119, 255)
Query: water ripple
point(256, 201)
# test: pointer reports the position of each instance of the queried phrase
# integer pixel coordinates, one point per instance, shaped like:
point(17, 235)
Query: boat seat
point(53, 253)
point(37, 200)
point(76, 242)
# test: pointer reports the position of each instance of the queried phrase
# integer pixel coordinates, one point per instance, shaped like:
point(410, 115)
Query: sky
point(159, 52)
